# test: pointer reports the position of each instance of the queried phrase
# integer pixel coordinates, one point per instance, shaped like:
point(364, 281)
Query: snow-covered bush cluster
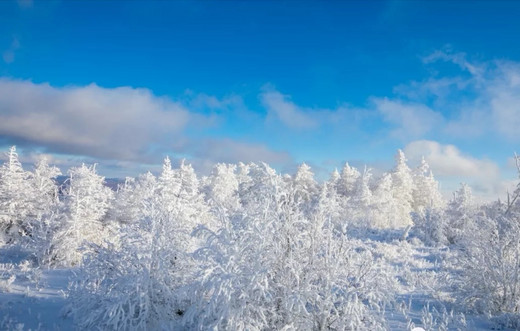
point(247, 248)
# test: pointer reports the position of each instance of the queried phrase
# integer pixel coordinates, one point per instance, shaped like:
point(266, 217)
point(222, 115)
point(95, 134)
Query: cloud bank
point(123, 123)
point(119, 123)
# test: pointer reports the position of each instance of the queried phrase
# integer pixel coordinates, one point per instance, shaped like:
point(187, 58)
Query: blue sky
point(126, 83)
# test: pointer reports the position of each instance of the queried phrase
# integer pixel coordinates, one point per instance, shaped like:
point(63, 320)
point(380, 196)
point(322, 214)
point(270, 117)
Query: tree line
point(247, 248)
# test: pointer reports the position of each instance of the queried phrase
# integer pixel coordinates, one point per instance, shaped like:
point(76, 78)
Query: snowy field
point(249, 249)
point(37, 299)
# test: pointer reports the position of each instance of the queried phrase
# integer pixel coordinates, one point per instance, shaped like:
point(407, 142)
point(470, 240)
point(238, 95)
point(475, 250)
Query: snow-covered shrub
point(430, 226)
point(489, 255)
point(273, 268)
point(138, 286)
point(142, 283)
point(433, 319)
point(459, 213)
point(489, 261)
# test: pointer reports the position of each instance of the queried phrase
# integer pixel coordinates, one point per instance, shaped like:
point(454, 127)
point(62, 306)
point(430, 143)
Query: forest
point(248, 248)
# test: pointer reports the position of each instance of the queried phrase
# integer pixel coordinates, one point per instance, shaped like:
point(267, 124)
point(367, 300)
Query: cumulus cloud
point(409, 119)
point(118, 123)
point(452, 166)
point(447, 160)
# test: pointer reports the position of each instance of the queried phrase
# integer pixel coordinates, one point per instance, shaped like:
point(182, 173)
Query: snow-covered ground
point(36, 299)
point(32, 298)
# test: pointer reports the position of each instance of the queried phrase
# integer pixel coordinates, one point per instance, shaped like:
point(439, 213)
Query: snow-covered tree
point(459, 213)
point(222, 188)
point(306, 189)
point(361, 200)
point(194, 207)
point(146, 277)
point(45, 201)
point(16, 199)
point(129, 199)
point(234, 291)
point(348, 178)
point(383, 204)
point(425, 189)
point(82, 216)
point(168, 186)
point(334, 179)
point(43, 181)
point(402, 189)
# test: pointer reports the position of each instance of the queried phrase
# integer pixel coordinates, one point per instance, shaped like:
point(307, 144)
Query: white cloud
point(447, 160)
point(457, 58)
point(410, 119)
point(502, 94)
point(281, 107)
point(118, 123)
point(452, 167)
point(491, 96)
point(123, 126)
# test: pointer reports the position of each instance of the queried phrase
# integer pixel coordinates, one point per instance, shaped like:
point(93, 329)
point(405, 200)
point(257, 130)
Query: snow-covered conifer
point(45, 203)
point(425, 189)
point(347, 182)
point(193, 208)
point(459, 213)
point(334, 179)
point(128, 202)
point(82, 217)
point(222, 187)
point(306, 189)
point(383, 204)
point(16, 198)
point(402, 189)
